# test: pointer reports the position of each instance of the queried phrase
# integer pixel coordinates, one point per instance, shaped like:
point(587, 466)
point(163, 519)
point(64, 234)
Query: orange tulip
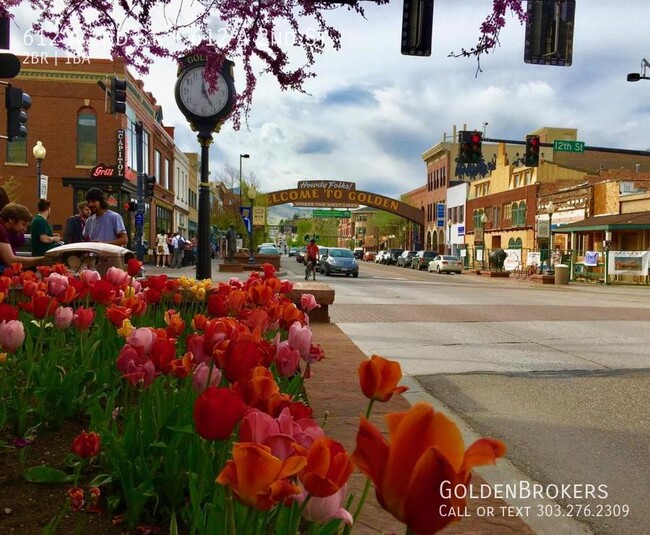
point(425, 458)
point(258, 478)
point(328, 467)
point(379, 377)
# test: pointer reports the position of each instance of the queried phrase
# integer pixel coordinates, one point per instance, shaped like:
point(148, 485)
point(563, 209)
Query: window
point(157, 159)
point(507, 212)
point(496, 216)
point(461, 214)
point(17, 151)
point(514, 243)
point(163, 219)
point(168, 174)
point(86, 137)
point(519, 214)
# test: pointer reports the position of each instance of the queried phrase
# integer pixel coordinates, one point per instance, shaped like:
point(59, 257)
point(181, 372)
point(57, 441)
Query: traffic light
point(470, 146)
point(306, 237)
point(118, 95)
point(17, 104)
point(149, 185)
point(417, 27)
point(130, 206)
point(531, 158)
point(9, 65)
point(549, 32)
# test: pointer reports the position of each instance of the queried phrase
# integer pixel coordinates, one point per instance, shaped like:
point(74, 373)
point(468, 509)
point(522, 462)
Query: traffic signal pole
point(139, 213)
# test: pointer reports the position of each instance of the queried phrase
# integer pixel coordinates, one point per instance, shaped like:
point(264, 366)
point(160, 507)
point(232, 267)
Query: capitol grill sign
point(121, 153)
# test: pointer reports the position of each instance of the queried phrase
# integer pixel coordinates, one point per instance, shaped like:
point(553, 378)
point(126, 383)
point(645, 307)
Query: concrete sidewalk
point(334, 389)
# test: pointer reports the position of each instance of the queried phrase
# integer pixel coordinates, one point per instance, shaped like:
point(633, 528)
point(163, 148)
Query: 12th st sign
point(561, 145)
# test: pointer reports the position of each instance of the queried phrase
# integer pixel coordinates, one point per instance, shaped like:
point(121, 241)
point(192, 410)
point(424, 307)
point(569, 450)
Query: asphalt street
point(559, 373)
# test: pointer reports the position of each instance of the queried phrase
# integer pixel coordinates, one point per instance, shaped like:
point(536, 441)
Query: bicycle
point(310, 269)
point(533, 269)
point(520, 270)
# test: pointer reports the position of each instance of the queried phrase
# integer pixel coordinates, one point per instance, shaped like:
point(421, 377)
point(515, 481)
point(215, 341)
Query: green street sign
point(332, 213)
point(561, 145)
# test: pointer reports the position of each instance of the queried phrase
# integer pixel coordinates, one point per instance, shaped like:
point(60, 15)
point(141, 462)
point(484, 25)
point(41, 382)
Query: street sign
point(440, 223)
point(139, 220)
point(440, 211)
point(461, 230)
point(561, 145)
point(43, 190)
point(332, 213)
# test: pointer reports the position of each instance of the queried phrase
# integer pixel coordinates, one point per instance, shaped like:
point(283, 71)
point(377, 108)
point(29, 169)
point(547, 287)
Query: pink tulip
point(141, 337)
point(12, 335)
point(63, 317)
point(308, 302)
point(322, 510)
point(117, 276)
point(57, 284)
point(202, 377)
point(300, 338)
point(195, 346)
point(90, 277)
point(286, 359)
point(279, 433)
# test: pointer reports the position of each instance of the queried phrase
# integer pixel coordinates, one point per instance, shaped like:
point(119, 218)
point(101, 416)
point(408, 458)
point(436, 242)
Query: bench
point(324, 297)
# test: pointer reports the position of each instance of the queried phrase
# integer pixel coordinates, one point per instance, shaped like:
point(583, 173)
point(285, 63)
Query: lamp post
point(241, 156)
point(39, 153)
point(550, 208)
point(451, 250)
point(484, 219)
point(251, 196)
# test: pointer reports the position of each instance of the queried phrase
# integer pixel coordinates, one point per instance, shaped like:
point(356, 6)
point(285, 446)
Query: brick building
point(89, 147)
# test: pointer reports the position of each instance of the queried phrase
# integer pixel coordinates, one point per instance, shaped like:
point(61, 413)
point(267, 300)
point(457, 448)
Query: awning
point(634, 221)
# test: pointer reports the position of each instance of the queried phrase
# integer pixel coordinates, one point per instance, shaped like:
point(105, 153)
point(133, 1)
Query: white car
point(381, 257)
point(446, 264)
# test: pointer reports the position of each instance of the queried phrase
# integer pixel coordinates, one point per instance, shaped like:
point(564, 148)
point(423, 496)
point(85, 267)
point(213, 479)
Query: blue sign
point(139, 220)
point(440, 211)
point(245, 212)
point(440, 223)
point(461, 230)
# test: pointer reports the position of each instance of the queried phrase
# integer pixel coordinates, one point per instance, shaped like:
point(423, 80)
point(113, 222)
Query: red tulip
point(379, 377)
point(87, 444)
point(83, 317)
point(216, 413)
point(117, 314)
point(133, 267)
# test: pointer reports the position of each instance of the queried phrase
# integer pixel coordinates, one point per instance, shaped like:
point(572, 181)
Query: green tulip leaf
point(45, 474)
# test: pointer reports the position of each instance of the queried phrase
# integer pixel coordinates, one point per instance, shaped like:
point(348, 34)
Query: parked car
point(322, 251)
point(358, 253)
point(381, 257)
point(268, 249)
point(404, 260)
point(339, 260)
point(369, 256)
point(293, 251)
point(446, 264)
point(393, 255)
point(300, 257)
point(422, 258)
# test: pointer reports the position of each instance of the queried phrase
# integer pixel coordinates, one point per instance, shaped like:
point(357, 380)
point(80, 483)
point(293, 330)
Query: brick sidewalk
point(335, 388)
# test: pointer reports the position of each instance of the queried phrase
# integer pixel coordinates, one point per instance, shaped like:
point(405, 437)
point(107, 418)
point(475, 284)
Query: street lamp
point(252, 193)
point(39, 153)
point(635, 76)
point(484, 219)
point(550, 208)
point(451, 251)
point(241, 156)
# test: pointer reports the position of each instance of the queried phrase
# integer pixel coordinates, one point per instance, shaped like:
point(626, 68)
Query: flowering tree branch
point(258, 32)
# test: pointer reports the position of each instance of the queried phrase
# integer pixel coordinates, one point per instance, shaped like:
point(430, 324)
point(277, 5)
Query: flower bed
point(195, 414)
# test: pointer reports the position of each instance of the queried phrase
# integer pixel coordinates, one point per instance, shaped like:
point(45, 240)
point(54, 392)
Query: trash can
point(90, 255)
point(561, 274)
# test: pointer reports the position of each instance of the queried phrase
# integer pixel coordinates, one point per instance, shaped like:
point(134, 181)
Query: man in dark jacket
point(74, 227)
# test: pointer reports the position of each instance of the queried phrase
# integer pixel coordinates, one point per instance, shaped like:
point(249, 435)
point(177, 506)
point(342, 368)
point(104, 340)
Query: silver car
point(339, 260)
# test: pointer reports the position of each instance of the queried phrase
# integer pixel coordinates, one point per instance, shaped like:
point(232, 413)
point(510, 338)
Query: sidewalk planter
point(562, 273)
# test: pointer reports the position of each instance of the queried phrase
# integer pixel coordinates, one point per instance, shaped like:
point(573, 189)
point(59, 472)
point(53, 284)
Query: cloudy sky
point(371, 112)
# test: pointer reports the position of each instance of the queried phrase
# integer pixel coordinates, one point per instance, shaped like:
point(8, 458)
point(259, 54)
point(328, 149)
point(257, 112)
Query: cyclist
point(310, 259)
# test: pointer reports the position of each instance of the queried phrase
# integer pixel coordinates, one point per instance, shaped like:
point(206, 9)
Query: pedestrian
point(14, 219)
point(17, 240)
point(311, 256)
point(103, 225)
point(231, 242)
point(74, 226)
point(43, 239)
point(177, 257)
point(162, 249)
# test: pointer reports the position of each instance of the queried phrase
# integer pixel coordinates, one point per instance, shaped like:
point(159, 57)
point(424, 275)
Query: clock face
point(195, 94)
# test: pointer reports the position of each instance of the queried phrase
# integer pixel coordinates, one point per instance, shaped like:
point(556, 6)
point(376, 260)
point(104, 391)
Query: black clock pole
point(203, 262)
